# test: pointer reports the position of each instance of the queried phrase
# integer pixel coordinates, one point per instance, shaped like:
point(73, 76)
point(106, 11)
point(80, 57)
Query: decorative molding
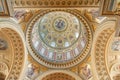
point(58, 76)
point(66, 72)
point(16, 39)
point(98, 53)
point(18, 48)
point(54, 3)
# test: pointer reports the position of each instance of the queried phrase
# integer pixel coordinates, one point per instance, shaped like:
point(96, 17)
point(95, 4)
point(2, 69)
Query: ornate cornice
point(54, 3)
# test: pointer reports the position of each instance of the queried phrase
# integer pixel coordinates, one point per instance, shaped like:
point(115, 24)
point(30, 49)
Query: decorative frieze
point(54, 3)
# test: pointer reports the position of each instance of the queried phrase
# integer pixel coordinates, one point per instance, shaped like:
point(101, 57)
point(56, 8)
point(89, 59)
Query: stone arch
point(63, 73)
point(58, 76)
point(17, 56)
point(98, 52)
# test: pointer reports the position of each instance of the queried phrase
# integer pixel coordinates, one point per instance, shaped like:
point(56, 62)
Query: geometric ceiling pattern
point(12, 53)
point(58, 76)
point(59, 39)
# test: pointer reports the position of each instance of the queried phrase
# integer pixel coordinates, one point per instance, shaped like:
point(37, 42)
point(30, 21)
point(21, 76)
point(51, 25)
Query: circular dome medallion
point(60, 24)
point(58, 39)
point(59, 30)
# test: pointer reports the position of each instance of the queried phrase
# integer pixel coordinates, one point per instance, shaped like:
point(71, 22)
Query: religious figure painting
point(3, 44)
point(116, 45)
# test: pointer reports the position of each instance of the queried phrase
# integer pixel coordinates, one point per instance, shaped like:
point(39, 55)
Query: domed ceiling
point(59, 37)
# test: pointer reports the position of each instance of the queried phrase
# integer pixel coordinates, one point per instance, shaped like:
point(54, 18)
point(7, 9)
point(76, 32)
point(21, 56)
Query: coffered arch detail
point(98, 52)
point(64, 73)
point(15, 51)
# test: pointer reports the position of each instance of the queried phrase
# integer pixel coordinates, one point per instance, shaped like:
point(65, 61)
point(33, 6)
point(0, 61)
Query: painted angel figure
point(86, 72)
